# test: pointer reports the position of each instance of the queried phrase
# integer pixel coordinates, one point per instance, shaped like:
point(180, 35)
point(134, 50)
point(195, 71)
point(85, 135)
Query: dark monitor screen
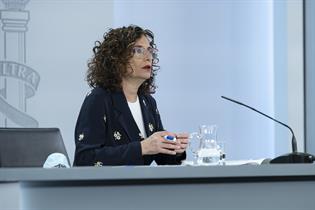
point(29, 147)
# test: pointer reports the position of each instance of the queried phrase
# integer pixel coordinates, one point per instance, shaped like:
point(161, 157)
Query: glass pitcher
point(209, 154)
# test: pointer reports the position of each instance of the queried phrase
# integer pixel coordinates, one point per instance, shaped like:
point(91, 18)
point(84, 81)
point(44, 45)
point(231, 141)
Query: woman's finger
point(168, 152)
point(170, 146)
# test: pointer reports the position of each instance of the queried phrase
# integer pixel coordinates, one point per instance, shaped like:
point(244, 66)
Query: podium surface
point(279, 186)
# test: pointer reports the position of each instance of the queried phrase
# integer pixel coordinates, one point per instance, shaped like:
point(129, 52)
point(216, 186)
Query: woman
point(119, 123)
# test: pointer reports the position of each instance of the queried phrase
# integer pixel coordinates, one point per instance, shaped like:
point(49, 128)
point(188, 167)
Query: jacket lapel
point(124, 116)
point(147, 121)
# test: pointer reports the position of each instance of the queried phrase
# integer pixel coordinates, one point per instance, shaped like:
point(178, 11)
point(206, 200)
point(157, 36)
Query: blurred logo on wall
point(18, 82)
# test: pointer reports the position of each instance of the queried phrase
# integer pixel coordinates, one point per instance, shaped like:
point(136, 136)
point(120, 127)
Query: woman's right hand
point(156, 143)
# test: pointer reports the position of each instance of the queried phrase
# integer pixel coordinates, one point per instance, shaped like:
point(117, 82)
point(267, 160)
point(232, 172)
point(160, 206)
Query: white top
point(137, 115)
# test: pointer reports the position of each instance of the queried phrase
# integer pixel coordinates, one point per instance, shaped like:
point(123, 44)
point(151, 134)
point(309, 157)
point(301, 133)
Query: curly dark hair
point(109, 64)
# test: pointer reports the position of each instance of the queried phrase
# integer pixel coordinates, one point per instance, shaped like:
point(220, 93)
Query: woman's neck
point(130, 90)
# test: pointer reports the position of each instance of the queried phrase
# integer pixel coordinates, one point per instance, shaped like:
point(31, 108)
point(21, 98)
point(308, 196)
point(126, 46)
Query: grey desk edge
point(118, 173)
point(244, 187)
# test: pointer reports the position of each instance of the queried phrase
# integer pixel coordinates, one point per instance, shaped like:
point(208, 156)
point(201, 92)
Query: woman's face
point(140, 65)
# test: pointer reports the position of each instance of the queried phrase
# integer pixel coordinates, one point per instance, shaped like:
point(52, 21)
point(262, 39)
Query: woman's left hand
point(182, 141)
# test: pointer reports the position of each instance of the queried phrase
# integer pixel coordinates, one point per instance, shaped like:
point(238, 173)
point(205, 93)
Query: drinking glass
point(194, 146)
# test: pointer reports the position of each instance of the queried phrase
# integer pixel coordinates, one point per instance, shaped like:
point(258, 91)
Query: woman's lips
point(147, 67)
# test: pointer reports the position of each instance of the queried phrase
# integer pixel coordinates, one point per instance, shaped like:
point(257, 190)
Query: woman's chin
point(146, 76)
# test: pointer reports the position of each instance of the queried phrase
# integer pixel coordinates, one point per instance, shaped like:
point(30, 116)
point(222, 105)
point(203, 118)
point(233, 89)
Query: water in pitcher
point(209, 153)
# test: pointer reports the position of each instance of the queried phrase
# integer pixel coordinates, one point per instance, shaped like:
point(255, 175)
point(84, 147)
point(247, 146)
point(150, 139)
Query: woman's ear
point(130, 70)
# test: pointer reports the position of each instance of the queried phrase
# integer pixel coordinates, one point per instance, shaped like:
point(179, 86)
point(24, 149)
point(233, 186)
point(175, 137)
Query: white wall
point(59, 42)
point(310, 74)
point(288, 73)
point(207, 49)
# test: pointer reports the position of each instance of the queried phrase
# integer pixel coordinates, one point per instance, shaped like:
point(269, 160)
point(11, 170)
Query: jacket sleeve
point(93, 145)
point(164, 159)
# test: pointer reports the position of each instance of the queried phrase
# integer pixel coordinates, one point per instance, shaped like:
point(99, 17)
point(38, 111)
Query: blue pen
point(170, 138)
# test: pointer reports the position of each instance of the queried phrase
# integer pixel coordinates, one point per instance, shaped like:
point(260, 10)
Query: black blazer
point(107, 134)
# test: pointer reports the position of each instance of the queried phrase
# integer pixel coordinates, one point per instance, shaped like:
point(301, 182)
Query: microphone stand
point(294, 156)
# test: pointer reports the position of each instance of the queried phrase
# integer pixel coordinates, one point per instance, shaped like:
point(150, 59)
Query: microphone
point(294, 156)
